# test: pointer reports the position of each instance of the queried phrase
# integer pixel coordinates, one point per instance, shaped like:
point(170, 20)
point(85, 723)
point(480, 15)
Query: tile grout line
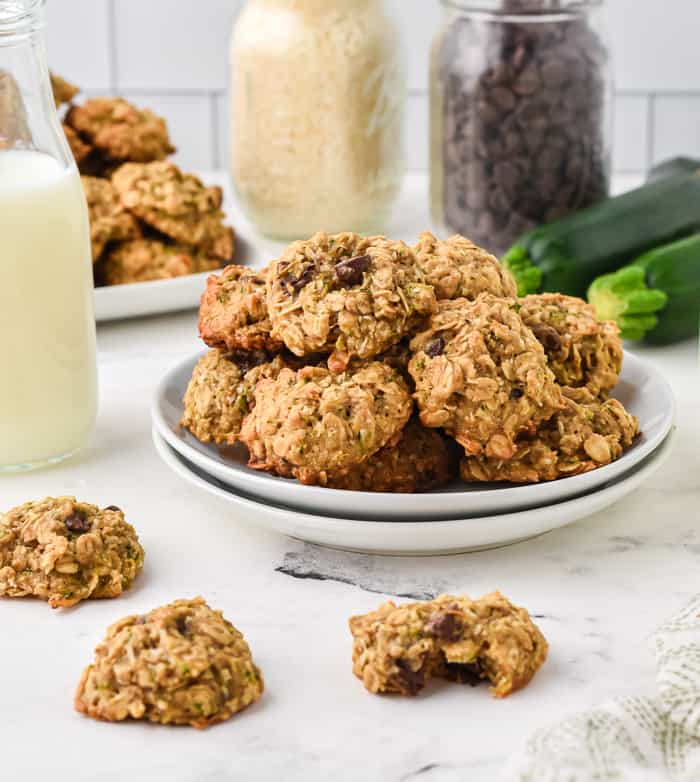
point(651, 129)
point(112, 44)
point(214, 130)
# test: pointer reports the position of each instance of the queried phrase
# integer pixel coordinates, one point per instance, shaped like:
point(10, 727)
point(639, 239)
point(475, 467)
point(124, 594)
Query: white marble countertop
point(598, 588)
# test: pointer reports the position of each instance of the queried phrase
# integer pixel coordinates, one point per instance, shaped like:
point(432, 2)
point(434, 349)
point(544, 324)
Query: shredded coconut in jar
point(317, 97)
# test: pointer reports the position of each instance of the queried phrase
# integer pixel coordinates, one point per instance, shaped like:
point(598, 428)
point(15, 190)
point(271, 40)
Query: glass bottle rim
point(493, 9)
point(20, 16)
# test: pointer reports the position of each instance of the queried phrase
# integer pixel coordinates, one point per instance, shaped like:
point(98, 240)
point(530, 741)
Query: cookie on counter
point(313, 422)
point(80, 150)
point(481, 375)
point(65, 551)
point(144, 260)
point(400, 648)
point(221, 393)
point(585, 435)
point(109, 221)
point(420, 461)
point(459, 269)
point(63, 90)
point(181, 664)
point(582, 351)
point(177, 205)
point(121, 131)
point(346, 295)
point(233, 311)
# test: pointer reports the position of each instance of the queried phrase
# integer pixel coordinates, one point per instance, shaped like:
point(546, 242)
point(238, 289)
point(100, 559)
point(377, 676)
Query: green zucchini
point(657, 297)
point(677, 165)
point(567, 255)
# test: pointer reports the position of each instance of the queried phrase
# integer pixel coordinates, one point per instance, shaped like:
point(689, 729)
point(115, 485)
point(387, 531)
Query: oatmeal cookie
point(63, 90)
point(14, 123)
point(420, 461)
point(65, 551)
point(79, 149)
point(581, 351)
point(121, 131)
point(221, 393)
point(143, 260)
point(346, 295)
point(482, 376)
point(109, 222)
point(312, 422)
point(458, 269)
point(180, 664)
point(583, 436)
point(400, 648)
point(177, 205)
point(233, 311)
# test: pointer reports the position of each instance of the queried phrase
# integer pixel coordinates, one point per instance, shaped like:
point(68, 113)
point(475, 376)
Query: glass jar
point(520, 115)
point(48, 391)
point(317, 97)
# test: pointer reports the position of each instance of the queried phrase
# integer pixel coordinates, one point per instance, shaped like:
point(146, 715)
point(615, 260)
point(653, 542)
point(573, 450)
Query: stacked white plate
point(460, 517)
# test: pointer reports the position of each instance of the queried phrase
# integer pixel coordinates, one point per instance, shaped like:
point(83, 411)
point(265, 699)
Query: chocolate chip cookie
point(181, 664)
point(80, 150)
point(581, 351)
point(109, 221)
point(233, 311)
point(144, 260)
point(346, 295)
point(420, 461)
point(400, 648)
point(458, 269)
point(482, 375)
point(579, 438)
point(65, 551)
point(221, 393)
point(121, 131)
point(312, 422)
point(177, 205)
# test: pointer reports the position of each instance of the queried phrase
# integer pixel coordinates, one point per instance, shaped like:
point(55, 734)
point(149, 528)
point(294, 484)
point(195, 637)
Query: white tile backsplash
point(172, 55)
point(79, 41)
point(676, 127)
point(173, 44)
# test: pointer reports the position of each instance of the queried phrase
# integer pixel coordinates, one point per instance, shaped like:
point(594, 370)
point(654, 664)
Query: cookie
point(400, 648)
point(346, 295)
point(458, 269)
point(63, 91)
point(120, 131)
point(481, 375)
point(14, 122)
point(311, 423)
point(109, 222)
point(79, 149)
point(579, 438)
point(177, 205)
point(233, 311)
point(144, 260)
point(181, 664)
point(581, 351)
point(420, 461)
point(221, 393)
point(65, 551)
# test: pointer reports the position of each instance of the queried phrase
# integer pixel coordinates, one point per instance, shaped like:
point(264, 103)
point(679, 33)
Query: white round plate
point(411, 538)
point(642, 389)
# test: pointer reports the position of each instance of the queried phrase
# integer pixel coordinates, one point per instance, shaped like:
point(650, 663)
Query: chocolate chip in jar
point(520, 117)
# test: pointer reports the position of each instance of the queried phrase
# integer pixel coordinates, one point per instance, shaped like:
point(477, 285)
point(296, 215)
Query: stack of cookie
point(365, 364)
point(148, 220)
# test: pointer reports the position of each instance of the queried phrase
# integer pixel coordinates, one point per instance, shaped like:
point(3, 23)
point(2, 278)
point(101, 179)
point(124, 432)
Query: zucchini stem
point(527, 276)
point(625, 297)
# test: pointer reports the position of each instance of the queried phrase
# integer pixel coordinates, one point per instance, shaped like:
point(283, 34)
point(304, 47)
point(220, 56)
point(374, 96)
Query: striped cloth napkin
point(641, 739)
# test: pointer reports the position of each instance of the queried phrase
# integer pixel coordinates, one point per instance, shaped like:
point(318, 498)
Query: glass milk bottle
point(48, 380)
point(317, 94)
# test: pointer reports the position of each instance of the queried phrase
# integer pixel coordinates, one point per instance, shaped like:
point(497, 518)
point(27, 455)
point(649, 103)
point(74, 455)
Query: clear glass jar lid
point(522, 7)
